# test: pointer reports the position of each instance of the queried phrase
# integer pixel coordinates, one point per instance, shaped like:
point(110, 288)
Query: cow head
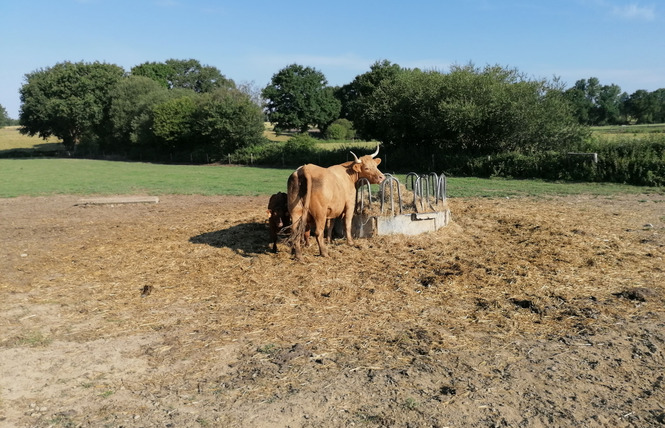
point(366, 167)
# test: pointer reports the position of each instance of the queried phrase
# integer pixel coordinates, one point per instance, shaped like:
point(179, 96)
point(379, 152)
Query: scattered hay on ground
point(522, 312)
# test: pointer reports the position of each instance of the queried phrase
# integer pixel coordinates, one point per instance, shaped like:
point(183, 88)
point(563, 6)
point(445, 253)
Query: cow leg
point(330, 225)
point(295, 240)
point(319, 233)
point(348, 221)
point(297, 250)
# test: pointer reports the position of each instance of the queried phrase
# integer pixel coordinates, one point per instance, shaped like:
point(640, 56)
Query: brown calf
point(278, 217)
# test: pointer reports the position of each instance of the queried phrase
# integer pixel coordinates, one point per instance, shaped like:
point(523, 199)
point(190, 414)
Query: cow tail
point(302, 224)
point(302, 187)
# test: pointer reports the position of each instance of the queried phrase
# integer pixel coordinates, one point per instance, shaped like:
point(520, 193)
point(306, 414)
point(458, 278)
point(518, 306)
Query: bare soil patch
point(522, 312)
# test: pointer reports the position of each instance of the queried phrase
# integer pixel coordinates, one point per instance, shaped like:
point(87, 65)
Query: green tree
point(69, 101)
point(185, 74)
point(131, 111)
point(4, 117)
point(298, 97)
point(470, 111)
point(215, 123)
point(227, 120)
point(356, 96)
point(608, 105)
point(174, 123)
point(583, 96)
point(595, 104)
point(646, 107)
point(340, 129)
point(658, 103)
point(157, 71)
point(639, 106)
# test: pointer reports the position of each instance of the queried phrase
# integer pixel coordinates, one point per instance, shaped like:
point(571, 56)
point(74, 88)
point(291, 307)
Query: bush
point(335, 132)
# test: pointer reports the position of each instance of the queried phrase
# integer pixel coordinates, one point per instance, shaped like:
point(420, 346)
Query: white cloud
point(625, 10)
point(635, 11)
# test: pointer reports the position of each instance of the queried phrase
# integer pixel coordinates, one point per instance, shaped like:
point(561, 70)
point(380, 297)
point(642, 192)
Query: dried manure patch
point(522, 312)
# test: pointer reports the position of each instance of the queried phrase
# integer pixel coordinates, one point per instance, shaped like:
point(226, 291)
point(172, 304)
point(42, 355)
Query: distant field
point(11, 139)
point(270, 134)
point(629, 129)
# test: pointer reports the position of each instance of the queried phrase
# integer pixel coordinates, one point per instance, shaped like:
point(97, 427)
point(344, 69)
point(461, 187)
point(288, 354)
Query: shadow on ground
point(246, 238)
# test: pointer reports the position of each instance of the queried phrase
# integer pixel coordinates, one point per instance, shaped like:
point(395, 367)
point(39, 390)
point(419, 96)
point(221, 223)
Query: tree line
point(174, 110)
point(599, 105)
point(5, 120)
point(156, 111)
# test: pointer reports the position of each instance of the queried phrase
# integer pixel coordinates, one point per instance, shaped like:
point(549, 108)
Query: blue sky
point(619, 42)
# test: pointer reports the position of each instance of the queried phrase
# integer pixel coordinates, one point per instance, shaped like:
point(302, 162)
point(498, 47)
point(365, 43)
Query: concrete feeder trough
point(425, 211)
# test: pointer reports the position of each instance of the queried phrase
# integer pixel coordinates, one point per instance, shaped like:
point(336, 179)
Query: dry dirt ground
point(521, 313)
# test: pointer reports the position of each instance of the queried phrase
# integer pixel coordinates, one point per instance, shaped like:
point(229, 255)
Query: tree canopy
point(356, 96)
point(298, 97)
point(69, 100)
point(595, 104)
point(161, 110)
point(131, 113)
point(468, 110)
point(185, 74)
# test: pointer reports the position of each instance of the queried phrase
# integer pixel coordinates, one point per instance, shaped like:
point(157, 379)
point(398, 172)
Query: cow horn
point(356, 157)
point(377, 150)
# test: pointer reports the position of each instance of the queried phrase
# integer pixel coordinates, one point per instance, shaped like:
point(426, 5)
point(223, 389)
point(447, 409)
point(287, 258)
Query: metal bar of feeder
point(360, 194)
point(441, 189)
point(413, 176)
point(390, 179)
point(427, 193)
point(418, 194)
point(433, 179)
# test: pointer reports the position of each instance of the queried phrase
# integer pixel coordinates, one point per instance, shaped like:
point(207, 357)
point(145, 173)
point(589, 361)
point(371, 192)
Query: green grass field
point(43, 177)
point(38, 177)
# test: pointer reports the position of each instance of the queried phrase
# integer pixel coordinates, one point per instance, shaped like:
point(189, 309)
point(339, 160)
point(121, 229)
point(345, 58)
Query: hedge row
point(637, 161)
point(632, 161)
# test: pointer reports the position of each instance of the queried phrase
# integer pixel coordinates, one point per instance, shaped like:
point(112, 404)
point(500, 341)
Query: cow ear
point(357, 167)
point(377, 161)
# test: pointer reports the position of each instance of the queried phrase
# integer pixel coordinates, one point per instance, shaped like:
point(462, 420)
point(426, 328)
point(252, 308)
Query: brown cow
point(278, 216)
point(316, 194)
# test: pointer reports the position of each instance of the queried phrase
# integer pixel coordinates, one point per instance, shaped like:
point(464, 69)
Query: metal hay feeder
point(427, 212)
